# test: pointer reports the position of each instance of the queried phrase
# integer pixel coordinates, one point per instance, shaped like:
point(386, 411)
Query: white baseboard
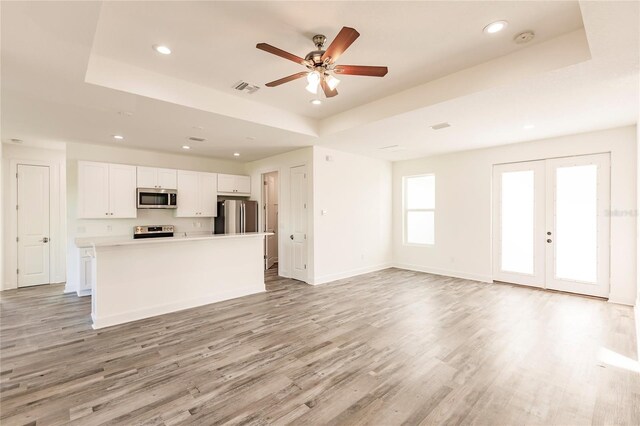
point(348, 274)
point(101, 322)
point(445, 272)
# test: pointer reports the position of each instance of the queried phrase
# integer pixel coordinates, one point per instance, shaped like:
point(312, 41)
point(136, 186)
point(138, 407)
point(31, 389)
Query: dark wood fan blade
point(343, 40)
point(327, 90)
point(361, 70)
point(279, 52)
point(287, 79)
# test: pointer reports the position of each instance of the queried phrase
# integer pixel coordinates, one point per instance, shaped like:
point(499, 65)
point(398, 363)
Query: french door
point(551, 224)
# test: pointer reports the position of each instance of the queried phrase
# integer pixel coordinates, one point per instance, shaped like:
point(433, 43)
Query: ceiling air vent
point(440, 126)
point(243, 86)
point(195, 139)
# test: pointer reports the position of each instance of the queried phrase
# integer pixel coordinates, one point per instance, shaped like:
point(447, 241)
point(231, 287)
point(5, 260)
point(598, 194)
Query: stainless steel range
point(153, 231)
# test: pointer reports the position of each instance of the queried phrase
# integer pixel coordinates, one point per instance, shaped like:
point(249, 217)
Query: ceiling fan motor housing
point(315, 57)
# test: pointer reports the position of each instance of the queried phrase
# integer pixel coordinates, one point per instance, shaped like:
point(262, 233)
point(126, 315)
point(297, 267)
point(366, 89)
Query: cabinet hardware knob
point(548, 232)
point(549, 240)
point(106, 214)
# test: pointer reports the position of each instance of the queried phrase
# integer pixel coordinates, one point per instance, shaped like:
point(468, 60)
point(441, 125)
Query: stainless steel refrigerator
point(236, 217)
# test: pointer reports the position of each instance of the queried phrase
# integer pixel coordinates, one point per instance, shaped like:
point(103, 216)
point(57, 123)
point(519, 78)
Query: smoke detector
point(524, 37)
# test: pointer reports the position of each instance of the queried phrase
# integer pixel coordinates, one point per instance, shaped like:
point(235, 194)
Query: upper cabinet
point(152, 177)
point(106, 190)
point(234, 185)
point(197, 194)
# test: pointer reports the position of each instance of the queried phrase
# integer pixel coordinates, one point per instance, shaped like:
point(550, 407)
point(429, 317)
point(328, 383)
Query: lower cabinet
point(86, 272)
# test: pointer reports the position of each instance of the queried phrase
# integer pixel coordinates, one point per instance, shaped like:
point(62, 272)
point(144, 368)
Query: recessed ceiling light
point(186, 147)
point(494, 27)
point(316, 101)
point(119, 137)
point(162, 49)
point(528, 126)
point(236, 154)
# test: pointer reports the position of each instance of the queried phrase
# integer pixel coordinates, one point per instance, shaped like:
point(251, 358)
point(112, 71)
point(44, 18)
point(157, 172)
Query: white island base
point(136, 279)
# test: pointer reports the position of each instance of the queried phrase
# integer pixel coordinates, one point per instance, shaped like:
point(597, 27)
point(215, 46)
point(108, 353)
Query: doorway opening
point(270, 198)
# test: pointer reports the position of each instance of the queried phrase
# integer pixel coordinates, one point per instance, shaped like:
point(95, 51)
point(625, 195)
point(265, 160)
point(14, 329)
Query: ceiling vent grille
point(440, 126)
point(243, 86)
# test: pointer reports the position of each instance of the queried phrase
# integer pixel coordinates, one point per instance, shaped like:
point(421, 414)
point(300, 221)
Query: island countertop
point(122, 240)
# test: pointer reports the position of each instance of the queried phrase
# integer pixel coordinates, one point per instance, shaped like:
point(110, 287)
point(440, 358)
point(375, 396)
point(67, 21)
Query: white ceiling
point(214, 43)
point(442, 68)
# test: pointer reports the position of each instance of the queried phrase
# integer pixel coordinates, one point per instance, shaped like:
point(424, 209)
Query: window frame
point(406, 210)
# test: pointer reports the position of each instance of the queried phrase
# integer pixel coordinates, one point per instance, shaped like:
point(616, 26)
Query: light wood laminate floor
point(386, 348)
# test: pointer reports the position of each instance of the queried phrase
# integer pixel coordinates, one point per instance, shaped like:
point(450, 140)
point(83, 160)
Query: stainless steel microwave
point(153, 198)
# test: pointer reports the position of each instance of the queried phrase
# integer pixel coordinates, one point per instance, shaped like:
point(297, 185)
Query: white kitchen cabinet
point(86, 272)
point(197, 194)
point(153, 177)
point(106, 190)
point(234, 185)
point(208, 194)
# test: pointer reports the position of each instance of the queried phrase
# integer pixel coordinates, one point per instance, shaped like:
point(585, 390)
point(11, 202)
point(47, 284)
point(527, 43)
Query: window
point(419, 209)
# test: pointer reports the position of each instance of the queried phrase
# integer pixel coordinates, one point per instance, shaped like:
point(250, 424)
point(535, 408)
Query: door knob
point(549, 240)
point(291, 236)
point(45, 240)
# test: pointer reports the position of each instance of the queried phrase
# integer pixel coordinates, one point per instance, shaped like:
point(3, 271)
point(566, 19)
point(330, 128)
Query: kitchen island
point(134, 279)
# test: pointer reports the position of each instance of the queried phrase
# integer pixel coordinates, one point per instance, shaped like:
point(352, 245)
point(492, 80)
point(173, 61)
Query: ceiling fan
point(321, 63)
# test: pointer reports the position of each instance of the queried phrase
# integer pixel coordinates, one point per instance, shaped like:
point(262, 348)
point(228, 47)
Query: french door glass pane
point(517, 221)
point(420, 226)
point(576, 218)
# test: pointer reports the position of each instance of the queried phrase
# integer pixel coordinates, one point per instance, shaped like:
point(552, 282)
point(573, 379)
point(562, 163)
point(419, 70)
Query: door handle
point(44, 240)
point(291, 236)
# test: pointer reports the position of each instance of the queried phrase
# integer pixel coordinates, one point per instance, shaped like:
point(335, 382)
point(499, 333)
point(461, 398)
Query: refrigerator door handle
point(242, 217)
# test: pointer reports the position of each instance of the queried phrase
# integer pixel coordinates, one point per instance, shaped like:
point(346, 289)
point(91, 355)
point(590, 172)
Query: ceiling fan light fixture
point(313, 78)
point(332, 82)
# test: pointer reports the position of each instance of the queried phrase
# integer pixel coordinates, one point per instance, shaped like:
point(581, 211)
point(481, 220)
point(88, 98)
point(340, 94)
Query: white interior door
point(33, 225)
point(270, 199)
point(551, 227)
point(577, 240)
point(298, 225)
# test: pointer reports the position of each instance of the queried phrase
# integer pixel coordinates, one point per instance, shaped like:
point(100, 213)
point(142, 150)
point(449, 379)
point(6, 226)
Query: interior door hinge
point(305, 236)
point(17, 271)
point(17, 239)
point(305, 266)
point(16, 207)
point(16, 175)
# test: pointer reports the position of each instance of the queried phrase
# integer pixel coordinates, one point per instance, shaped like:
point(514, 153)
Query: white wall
point(55, 159)
point(463, 206)
point(282, 164)
point(353, 236)
point(114, 154)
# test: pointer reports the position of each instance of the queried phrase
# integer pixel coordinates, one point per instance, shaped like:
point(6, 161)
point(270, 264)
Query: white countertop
point(124, 240)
